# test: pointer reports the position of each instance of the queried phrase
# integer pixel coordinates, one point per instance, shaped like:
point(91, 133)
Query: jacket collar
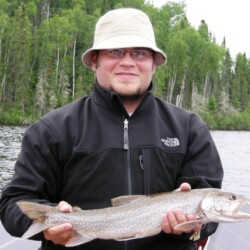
point(110, 100)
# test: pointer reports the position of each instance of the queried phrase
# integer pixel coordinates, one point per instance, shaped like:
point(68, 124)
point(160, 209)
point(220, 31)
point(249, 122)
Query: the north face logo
point(171, 142)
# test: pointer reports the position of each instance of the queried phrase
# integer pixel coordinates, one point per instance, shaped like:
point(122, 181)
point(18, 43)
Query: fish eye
point(233, 197)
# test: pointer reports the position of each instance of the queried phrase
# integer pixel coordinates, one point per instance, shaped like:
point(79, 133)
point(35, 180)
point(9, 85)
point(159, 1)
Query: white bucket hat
point(124, 28)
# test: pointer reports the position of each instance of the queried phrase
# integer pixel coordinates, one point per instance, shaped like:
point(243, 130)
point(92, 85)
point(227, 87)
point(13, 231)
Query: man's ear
point(154, 68)
point(93, 60)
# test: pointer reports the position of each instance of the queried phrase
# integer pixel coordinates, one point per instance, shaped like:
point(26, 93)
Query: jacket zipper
point(125, 135)
point(126, 147)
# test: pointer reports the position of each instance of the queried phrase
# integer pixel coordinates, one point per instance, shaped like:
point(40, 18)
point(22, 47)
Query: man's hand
point(176, 217)
point(59, 235)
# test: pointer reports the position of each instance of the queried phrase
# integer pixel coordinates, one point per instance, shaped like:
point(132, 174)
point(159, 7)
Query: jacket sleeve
point(37, 177)
point(202, 166)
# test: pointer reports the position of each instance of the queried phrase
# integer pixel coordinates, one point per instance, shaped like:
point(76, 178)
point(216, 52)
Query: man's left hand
point(176, 217)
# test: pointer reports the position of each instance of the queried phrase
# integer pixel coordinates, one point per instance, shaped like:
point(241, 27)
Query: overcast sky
point(225, 18)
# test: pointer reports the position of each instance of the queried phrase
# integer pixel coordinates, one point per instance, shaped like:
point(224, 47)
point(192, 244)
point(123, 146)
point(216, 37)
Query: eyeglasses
point(136, 54)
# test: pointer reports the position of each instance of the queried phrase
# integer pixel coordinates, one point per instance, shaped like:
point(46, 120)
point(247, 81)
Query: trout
point(137, 216)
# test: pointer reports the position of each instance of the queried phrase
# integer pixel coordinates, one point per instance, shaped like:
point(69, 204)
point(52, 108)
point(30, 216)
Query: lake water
point(10, 143)
point(234, 149)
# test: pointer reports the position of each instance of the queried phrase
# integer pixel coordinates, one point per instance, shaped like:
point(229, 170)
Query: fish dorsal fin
point(125, 199)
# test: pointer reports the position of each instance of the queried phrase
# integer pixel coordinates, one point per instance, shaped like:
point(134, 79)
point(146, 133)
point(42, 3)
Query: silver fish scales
point(137, 216)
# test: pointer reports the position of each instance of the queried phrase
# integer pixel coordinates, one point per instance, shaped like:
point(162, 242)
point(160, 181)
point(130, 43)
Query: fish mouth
point(242, 212)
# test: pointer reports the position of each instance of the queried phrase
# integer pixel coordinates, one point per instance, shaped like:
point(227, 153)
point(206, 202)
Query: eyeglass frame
point(147, 53)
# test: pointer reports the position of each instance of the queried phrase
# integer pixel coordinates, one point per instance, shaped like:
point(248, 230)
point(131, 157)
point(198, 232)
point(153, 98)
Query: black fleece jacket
point(91, 151)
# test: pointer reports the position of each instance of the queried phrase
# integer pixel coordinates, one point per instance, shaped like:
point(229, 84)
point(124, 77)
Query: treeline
point(41, 43)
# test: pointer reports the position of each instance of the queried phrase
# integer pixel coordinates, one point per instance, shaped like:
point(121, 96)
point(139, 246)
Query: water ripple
point(10, 145)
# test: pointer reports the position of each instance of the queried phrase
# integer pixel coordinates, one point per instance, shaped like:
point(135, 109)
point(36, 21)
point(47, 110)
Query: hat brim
point(124, 42)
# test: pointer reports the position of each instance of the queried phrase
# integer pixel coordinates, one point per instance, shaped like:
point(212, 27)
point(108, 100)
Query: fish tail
point(35, 229)
point(37, 213)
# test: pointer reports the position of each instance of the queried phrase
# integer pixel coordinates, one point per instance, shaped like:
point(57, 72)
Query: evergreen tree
point(240, 86)
point(42, 41)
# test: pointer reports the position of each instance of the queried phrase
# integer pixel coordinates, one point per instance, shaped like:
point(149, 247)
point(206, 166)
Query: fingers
point(185, 187)
point(173, 218)
point(197, 226)
point(59, 234)
point(65, 207)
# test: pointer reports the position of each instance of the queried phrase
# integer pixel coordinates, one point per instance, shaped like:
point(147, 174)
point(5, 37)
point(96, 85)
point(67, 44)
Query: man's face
point(128, 72)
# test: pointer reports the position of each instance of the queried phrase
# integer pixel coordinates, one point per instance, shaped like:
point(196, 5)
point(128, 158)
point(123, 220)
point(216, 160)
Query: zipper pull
point(125, 135)
point(141, 162)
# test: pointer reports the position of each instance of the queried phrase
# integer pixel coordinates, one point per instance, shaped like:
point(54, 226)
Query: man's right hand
point(61, 234)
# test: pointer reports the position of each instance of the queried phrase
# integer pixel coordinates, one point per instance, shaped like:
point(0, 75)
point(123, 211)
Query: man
point(120, 140)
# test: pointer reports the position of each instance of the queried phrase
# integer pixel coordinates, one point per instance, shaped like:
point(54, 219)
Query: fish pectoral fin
point(190, 224)
point(125, 199)
point(79, 239)
point(143, 234)
point(127, 238)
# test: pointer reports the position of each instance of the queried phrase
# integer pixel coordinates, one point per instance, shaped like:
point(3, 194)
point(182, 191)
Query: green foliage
point(233, 121)
point(212, 106)
point(41, 43)
point(237, 121)
point(14, 116)
point(210, 119)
